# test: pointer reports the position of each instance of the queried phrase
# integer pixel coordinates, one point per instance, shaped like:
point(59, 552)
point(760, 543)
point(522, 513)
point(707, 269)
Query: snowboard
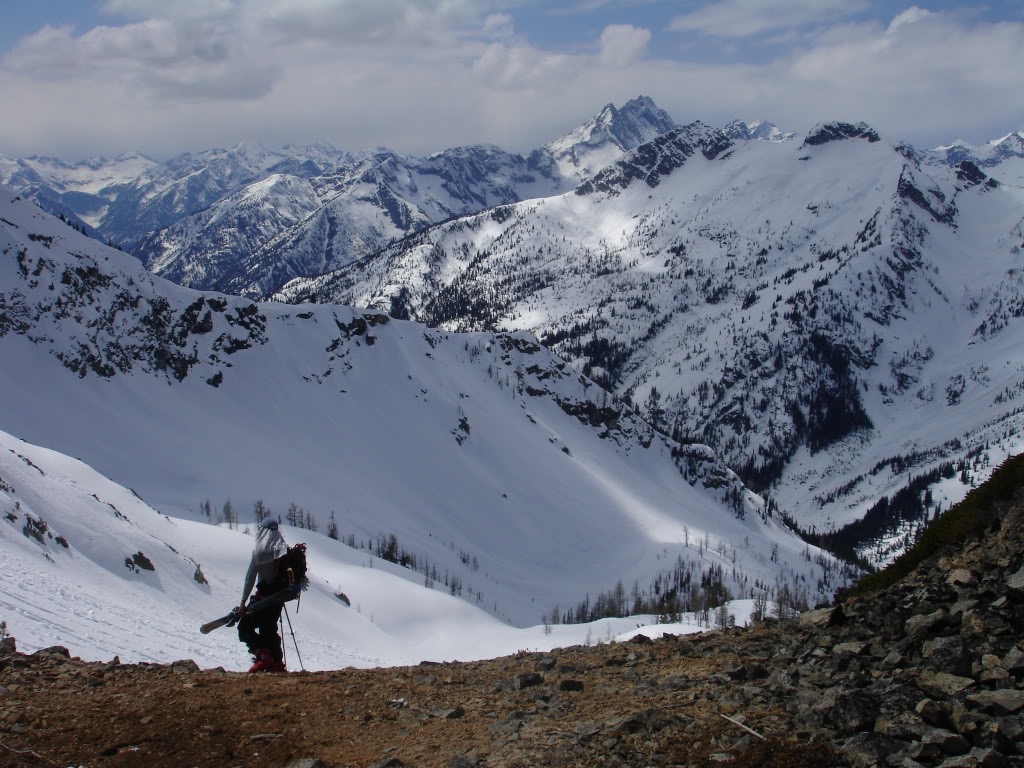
point(282, 596)
point(230, 619)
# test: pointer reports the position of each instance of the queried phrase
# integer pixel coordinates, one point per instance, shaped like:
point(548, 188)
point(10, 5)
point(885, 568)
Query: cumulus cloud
point(746, 18)
point(622, 44)
point(162, 58)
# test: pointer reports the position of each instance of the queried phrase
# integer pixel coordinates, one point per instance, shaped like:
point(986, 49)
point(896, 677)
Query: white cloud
point(621, 44)
point(423, 75)
point(195, 59)
point(910, 16)
point(746, 18)
point(519, 67)
point(359, 22)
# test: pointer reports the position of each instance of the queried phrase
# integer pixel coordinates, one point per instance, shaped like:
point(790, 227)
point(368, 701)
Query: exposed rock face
point(928, 673)
point(823, 134)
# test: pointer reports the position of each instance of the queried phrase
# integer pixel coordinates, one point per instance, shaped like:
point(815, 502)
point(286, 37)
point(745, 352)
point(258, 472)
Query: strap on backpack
point(291, 586)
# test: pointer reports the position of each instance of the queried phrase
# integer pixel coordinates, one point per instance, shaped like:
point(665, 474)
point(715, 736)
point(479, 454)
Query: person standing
point(258, 628)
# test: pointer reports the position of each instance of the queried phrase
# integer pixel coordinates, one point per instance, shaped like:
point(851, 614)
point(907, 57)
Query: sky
point(101, 77)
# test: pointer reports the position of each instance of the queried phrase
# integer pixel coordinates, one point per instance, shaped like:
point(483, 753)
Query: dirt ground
point(637, 704)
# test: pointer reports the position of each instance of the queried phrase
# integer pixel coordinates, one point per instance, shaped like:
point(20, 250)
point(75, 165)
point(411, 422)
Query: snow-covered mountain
point(79, 191)
point(759, 130)
point(503, 476)
point(832, 316)
point(1002, 158)
point(247, 219)
point(192, 182)
point(380, 198)
point(607, 137)
point(203, 249)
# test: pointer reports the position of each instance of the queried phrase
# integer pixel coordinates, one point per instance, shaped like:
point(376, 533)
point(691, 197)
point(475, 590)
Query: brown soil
point(637, 704)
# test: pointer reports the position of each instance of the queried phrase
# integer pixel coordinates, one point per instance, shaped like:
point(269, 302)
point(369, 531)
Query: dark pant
point(258, 629)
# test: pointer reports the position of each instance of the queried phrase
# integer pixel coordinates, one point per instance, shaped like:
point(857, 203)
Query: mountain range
point(837, 317)
point(803, 305)
point(480, 465)
point(246, 219)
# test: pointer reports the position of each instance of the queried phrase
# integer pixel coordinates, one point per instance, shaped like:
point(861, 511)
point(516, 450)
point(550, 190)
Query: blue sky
point(163, 76)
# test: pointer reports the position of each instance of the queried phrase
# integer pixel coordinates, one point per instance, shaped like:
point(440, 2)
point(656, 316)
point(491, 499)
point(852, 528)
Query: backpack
point(290, 568)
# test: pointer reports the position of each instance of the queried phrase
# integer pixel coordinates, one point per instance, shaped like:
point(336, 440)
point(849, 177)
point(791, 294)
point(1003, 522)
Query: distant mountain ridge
point(363, 205)
point(192, 218)
point(179, 217)
point(759, 130)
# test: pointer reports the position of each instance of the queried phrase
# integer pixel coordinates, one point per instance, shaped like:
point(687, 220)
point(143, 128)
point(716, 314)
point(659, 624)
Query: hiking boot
point(277, 666)
point(264, 661)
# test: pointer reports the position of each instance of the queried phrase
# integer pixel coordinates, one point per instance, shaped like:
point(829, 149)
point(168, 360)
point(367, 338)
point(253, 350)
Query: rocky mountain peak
point(610, 134)
point(823, 133)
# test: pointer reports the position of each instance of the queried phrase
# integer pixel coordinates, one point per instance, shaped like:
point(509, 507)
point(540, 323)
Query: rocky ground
point(927, 673)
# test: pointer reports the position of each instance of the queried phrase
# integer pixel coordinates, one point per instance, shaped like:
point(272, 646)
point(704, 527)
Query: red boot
point(264, 661)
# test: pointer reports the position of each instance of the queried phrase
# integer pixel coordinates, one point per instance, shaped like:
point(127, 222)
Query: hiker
point(258, 629)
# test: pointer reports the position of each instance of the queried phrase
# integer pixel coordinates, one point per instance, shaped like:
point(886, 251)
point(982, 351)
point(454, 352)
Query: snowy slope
point(513, 481)
point(71, 541)
point(806, 308)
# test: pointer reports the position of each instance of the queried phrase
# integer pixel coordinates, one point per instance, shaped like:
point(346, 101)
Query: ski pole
point(297, 653)
point(284, 646)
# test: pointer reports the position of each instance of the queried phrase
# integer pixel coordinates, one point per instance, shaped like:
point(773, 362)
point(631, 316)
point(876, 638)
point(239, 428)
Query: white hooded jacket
point(269, 546)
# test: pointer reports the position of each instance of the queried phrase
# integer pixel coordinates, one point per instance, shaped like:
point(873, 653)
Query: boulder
point(1004, 702)
point(942, 685)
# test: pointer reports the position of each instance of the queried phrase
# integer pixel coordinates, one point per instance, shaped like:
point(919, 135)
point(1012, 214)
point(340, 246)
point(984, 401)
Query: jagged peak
point(629, 126)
